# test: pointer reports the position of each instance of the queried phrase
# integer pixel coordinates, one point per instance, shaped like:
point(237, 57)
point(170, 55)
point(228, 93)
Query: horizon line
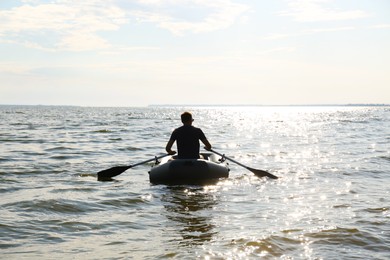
point(209, 105)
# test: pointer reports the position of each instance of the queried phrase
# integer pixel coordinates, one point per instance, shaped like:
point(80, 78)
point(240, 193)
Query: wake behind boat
point(189, 171)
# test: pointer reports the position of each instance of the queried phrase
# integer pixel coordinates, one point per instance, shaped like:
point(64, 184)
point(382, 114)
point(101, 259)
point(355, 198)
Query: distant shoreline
point(209, 105)
point(293, 105)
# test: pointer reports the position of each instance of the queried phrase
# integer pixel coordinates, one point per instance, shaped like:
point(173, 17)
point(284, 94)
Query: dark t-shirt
point(187, 138)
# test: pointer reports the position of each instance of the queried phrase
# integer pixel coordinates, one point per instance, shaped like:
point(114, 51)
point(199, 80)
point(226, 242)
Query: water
point(331, 200)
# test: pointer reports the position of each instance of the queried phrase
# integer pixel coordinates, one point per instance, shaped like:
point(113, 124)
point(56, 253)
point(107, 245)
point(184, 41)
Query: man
point(187, 138)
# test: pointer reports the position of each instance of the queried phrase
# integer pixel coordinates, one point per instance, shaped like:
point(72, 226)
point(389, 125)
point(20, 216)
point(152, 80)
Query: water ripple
point(330, 202)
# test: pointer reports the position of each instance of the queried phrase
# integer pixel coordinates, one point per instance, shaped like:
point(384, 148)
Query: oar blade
point(261, 173)
point(258, 173)
point(112, 172)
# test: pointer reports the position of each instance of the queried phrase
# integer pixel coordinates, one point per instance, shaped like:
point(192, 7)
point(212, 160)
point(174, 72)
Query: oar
point(259, 173)
point(114, 171)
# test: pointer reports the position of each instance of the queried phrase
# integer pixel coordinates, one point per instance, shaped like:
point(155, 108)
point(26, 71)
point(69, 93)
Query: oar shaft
point(230, 159)
point(150, 160)
point(257, 172)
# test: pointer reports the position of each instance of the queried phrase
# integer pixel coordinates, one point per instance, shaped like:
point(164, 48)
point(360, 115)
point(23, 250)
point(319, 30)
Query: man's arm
point(206, 143)
point(168, 148)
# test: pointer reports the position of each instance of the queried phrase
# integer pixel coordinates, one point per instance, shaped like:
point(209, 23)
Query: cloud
point(212, 15)
point(277, 50)
point(74, 25)
point(13, 68)
point(318, 10)
point(66, 25)
point(308, 32)
point(381, 26)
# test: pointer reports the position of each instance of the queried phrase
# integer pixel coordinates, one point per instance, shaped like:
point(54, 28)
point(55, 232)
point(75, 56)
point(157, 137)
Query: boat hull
point(189, 171)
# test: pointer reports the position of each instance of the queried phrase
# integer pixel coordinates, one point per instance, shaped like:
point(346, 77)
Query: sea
point(331, 201)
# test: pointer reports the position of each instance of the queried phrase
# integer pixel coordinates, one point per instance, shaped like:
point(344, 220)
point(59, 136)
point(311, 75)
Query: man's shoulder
point(180, 129)
point(197, 129)
point(186, 128)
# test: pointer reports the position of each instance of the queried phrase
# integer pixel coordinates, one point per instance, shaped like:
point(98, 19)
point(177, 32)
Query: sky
point(194, 52)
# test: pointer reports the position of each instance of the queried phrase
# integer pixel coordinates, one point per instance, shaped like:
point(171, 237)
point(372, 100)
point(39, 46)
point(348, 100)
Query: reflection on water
point(187, 207)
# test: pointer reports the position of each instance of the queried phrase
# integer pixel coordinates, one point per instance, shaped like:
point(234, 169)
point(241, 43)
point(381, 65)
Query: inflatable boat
point(207, 170)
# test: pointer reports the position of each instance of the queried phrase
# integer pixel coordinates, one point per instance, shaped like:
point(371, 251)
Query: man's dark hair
point(186, 117)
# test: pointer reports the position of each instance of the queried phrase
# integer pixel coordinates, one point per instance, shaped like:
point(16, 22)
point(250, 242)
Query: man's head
point(186, 118)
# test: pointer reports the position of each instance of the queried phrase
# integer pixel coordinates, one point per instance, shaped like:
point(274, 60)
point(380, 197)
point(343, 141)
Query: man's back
point(187, 138)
